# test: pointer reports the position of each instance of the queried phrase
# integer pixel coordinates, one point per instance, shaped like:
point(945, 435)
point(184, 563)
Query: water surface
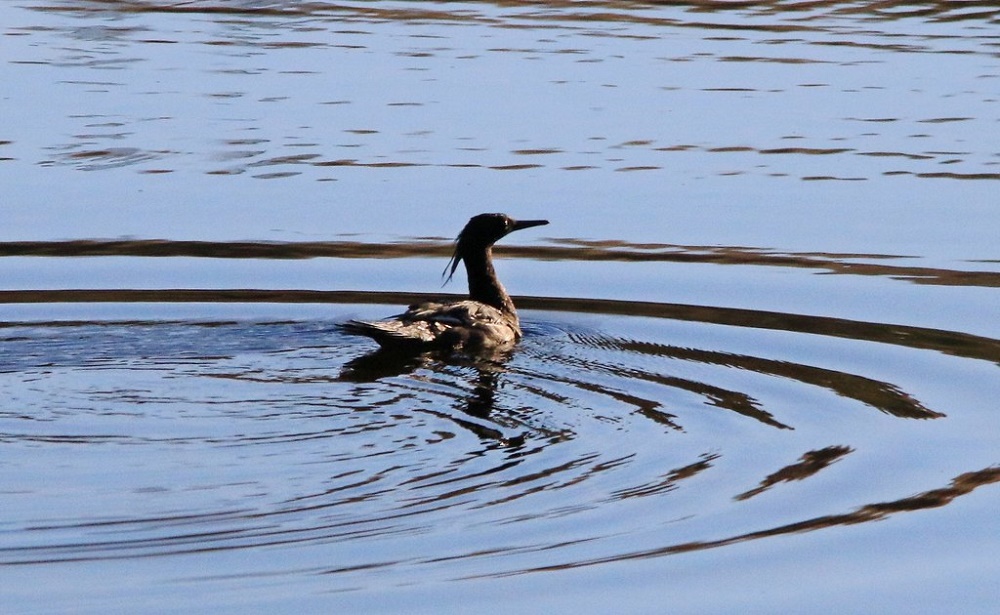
point(761, 344)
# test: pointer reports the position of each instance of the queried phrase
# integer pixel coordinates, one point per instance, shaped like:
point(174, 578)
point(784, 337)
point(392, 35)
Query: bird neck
point(483, 283)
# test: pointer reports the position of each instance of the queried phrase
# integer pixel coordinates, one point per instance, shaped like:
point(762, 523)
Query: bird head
point(483, 231)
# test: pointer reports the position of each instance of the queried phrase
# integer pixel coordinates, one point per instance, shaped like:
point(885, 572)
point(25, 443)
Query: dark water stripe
point(947, 342)
point(573, 250)
point(600, 11)
point(885, 397)
point(961, 485)
point(217, 249)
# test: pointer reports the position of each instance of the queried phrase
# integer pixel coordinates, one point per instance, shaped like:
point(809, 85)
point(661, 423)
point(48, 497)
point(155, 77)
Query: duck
point(487, 320)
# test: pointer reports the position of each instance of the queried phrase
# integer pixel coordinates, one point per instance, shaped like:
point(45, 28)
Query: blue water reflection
point(760, 368)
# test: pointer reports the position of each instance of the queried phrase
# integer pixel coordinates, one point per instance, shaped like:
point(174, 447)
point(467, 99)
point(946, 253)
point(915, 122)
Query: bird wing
point(439, 324)
point(459, 313)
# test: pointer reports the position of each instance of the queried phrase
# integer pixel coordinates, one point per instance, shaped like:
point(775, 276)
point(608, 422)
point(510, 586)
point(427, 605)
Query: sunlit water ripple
point(641, 437)
point(760, 364)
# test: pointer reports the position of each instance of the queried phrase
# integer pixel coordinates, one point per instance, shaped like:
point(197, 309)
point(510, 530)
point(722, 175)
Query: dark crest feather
point(456, 258)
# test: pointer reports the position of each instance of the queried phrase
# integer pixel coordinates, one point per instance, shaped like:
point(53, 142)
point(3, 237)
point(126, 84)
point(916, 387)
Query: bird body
point(486, 320)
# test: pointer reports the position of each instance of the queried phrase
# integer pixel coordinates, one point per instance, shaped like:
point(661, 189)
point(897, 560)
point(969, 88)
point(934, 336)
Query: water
point(761, 350)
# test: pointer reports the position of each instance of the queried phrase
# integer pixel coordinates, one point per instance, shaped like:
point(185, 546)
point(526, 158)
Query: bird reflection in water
point(479, 404)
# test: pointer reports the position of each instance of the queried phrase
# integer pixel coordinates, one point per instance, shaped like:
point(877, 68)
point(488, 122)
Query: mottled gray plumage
point(486, 320)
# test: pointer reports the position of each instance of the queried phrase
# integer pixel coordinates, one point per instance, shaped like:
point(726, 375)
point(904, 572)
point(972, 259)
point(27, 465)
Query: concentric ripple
point(310, 454)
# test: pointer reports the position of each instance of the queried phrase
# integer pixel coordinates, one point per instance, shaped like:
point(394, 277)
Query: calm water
point(762, 341)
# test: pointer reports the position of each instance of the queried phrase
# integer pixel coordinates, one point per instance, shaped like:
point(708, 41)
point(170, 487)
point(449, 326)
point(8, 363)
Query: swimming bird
point(486, 320)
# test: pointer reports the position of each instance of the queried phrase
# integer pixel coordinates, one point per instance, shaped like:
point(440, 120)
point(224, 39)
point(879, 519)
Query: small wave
point(264, 435)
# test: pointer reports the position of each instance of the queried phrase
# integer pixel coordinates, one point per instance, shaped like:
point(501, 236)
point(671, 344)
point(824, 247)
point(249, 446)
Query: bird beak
point(522, 224)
